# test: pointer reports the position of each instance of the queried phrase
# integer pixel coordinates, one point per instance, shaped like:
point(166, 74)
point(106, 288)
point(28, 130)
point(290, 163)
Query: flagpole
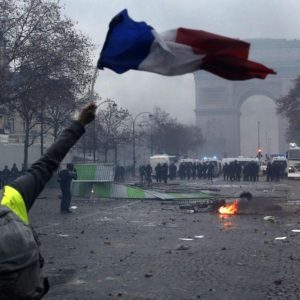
point(91, 96)
point(93, 83)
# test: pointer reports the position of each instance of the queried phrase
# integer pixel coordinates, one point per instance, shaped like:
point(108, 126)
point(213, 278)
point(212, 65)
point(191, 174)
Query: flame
point(229, 209)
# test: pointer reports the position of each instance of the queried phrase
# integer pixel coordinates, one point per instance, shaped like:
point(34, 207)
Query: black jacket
point(36, 177)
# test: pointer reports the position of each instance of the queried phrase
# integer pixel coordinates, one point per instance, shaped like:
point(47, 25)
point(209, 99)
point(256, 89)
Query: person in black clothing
point(21, 264)
point(142, 171)
point(5, 175)
point(149, 174)
point(210, 171)
point(164, 172)
point(158, 172)
point(65, 178)
point(14, 171)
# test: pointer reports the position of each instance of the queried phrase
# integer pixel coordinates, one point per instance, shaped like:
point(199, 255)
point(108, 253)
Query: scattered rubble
point(183, 247)
point(270, 219)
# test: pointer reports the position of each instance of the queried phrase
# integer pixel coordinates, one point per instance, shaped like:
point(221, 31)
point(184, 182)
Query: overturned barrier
point(96, 181)
point(112, 190)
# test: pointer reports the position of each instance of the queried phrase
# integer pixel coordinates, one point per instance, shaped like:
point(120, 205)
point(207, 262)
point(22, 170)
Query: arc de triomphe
point(218, 101)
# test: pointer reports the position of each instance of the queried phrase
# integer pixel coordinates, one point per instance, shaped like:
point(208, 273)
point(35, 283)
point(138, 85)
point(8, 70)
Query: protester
point(14, 172)
point(5, 175)
point(21, 272)
point(65, 178)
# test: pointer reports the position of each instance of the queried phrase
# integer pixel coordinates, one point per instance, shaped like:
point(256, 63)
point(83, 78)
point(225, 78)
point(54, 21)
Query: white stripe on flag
point(167, 57)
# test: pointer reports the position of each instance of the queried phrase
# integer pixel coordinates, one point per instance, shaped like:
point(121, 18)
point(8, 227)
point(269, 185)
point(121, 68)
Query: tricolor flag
point(132, 45)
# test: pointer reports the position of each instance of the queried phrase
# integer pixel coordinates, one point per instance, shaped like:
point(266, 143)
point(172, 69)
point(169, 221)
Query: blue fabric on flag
point(127, 44)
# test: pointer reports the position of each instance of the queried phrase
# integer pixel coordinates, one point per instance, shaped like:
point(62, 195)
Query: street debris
point(278, 281)
point(105, 219)
point(148, 275)
point(183, 247)
point(206, 206)
point(77, 282)
point(150, 224)
point(199, 236)
point(280, 238)
point(270, 219)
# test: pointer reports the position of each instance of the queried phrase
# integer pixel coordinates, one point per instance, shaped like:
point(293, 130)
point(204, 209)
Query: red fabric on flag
point(235, 69)
point(223, 56)
point(207, 43)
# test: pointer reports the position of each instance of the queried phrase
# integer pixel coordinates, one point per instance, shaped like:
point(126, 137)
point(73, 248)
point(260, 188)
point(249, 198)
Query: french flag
point(132, 45)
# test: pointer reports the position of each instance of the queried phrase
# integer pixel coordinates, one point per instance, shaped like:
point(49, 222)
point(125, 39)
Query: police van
point(162, 159)
point(293, 157)
point(215, 162)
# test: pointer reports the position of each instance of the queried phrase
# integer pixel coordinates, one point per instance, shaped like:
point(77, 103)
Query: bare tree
point(25, 106)
point(289, 107)
point(172, 137)
point(112, 128)
point(59, 104)
point(46, 61)
point(38, 36)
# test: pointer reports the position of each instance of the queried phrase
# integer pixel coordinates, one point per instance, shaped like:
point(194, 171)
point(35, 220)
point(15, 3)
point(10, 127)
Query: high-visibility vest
point(14, 201)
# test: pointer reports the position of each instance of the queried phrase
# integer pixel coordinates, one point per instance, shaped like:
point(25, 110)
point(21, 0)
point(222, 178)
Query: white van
point(161, 159)
point(216, 163)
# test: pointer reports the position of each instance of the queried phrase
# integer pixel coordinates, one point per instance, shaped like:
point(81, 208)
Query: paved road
point(122, 249)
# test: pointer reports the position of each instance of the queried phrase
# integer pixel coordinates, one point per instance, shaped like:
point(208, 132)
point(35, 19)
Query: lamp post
point(42, 126)
point(94, 128)
point(133, 139)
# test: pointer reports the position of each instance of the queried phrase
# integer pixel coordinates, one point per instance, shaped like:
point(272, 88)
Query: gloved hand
point(87, 114)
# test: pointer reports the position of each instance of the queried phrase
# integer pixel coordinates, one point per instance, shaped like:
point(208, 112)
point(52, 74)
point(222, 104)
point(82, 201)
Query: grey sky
point(140, 91)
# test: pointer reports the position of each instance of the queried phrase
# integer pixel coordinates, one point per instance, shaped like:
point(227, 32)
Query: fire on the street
point(229, 209)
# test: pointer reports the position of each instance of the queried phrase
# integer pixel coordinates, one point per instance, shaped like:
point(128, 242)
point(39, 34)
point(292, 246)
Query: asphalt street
point(133, 249)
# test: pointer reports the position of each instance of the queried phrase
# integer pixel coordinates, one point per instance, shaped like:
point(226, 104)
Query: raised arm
point(36, 177)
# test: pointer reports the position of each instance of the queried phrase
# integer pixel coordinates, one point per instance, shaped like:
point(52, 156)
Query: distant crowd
point(233, 171)
point(275, 171)
point(185, 171)
point(7, 175)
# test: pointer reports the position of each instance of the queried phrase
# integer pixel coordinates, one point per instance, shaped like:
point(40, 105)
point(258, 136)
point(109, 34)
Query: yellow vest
point(14, 201)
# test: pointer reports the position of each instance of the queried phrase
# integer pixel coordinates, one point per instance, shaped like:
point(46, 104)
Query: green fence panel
point(191, 195)
point(86, 171)
point(102, 190)
point(135, 193)
point(82, 189)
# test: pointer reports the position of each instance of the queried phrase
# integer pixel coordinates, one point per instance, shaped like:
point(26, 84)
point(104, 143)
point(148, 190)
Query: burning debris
point(207, 206)
point(222, 206)
point(229, 209)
